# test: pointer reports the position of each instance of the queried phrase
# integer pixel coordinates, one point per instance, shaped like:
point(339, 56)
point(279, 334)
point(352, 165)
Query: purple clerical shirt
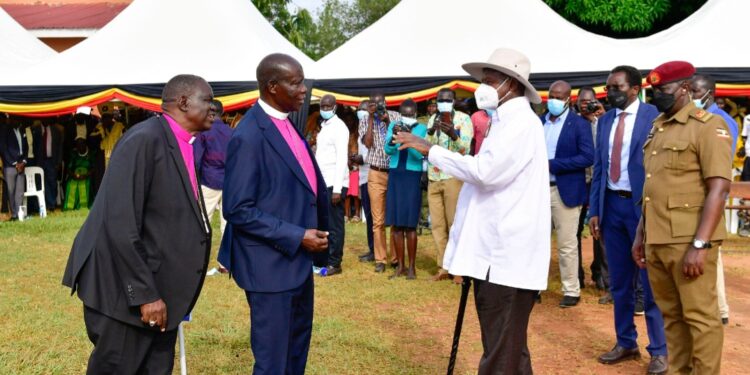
point(299, 149)
point(185, 141)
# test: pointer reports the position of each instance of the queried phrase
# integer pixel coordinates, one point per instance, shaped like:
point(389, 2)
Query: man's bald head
point(273, 67)
point(704, 82)
point(327, 99)
point(560, 88)
point(181, 85)
point(281, 81)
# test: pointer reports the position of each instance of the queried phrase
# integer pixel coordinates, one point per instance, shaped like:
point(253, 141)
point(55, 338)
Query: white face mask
point(361, 114)
point(444, 107)
point(327, 115)
point(408, 121)
point(486, 96)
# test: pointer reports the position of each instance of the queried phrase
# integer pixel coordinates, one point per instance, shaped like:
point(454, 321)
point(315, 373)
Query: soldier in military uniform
point(687, 159)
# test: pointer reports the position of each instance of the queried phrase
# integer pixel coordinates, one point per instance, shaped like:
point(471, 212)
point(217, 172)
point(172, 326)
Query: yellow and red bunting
point(246, 99)
point(68, 106)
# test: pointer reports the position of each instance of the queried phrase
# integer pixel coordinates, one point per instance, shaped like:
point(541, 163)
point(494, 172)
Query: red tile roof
point(66, 16)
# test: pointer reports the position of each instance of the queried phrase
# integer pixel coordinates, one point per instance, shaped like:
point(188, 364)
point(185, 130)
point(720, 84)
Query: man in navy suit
point(616, 190)
point(570, 149)
point(275, 204)
point(13, 150)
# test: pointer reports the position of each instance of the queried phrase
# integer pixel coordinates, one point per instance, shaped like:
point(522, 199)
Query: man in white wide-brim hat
point(500, 237)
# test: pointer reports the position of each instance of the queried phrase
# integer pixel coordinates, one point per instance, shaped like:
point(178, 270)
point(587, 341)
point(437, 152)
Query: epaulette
point(701, 115)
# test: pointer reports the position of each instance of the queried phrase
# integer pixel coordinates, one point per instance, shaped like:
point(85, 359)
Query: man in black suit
point(139, 261)
point(48, 142)
point(13, 150)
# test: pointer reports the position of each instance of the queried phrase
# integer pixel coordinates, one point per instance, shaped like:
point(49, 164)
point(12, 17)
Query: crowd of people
point(649, 177)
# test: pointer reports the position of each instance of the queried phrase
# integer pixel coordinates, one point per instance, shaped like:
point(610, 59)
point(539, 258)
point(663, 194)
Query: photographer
point(404, 200)
point(591, 109)
point(373, 129)
point(452, 130)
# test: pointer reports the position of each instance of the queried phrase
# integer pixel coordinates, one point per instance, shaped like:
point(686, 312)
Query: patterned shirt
point(465, 131)
point(377, 156)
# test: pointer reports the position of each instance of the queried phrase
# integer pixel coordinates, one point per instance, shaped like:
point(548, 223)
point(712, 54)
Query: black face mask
point(663, 102)
point(617, 99)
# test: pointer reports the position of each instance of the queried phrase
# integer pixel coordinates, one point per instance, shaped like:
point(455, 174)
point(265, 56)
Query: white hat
point(510, 62)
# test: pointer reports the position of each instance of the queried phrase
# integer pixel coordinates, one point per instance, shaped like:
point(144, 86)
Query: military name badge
point(721, 133)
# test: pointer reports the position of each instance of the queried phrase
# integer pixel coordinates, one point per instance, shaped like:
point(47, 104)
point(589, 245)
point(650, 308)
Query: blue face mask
point(361, 115)
point(326, 115)
point(700, 103)
point(556, 106)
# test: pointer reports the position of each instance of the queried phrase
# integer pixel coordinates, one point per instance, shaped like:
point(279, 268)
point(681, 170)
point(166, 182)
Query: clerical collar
point(271, 111)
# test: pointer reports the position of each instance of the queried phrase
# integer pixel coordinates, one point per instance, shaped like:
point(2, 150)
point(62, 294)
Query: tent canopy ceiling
point(411, 42)
point(154, 40)
point(18, 48)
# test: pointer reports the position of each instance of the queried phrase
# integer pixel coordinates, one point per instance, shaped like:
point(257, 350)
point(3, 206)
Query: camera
point(400, 127)
point(381, 108)
point(592, 106)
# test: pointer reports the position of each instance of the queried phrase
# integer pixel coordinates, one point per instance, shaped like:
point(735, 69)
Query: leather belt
point(374, 168)
point(621, 193)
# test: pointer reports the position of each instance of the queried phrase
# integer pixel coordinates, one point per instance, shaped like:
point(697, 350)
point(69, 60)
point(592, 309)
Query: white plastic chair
point(32, 190)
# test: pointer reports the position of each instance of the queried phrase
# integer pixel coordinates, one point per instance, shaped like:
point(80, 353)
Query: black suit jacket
point(146, 235)
point(57, 143)
point(9, 151)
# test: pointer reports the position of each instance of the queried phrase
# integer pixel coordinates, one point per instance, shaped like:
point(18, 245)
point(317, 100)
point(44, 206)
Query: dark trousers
point(336, 230)
point(280, 329)
point(599, 269)
point(745, 176)
point(121, 348)
point(50, 182)
point(619, 224)
point(503, 319)
point(364, 196)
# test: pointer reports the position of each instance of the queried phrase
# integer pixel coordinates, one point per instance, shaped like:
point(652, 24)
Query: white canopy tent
point(154, 40)
point(412, 40)
point(18, 48)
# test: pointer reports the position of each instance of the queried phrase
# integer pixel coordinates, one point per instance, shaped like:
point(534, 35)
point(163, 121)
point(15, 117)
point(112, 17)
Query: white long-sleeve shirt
point(332, 153)
point(501, 231)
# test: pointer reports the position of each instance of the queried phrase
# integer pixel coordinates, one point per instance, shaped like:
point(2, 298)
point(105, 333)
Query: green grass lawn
point(364, 323)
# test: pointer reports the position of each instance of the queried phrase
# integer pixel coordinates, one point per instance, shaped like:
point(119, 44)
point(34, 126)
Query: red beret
point(670, 72)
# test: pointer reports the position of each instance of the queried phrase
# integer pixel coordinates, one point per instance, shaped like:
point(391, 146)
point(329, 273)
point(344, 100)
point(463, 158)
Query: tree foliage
point(337, 22)
point(625, 18)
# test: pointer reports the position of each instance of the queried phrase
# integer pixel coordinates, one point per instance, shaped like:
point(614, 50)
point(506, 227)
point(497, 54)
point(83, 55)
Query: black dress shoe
point(606, 299)
point(394, 265)
point(333, 270)
point(569, 301)
point(658, 365)
point(725, 321)
point(619, 354)
point(366, 258)
point(380, 268)
point(639, 309)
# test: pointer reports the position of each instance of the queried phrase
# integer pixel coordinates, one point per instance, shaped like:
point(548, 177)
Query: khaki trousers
point(565, 220)
point(212, 200)
point(692, 324)
point(721, 293)
point(377, 184)
point(442, 197)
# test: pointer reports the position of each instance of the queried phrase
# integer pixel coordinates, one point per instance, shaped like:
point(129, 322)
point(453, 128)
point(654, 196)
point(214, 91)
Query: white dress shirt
point(624, 182)
point(332, 153)
point(364, 169)
point(746, 133)
point(552, 130)
point(501, 231)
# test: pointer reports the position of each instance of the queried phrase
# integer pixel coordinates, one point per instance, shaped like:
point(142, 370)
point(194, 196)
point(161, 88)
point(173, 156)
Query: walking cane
point(459, 323)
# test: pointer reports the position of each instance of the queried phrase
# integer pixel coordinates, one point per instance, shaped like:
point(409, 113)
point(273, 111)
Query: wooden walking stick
point(459, 323)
